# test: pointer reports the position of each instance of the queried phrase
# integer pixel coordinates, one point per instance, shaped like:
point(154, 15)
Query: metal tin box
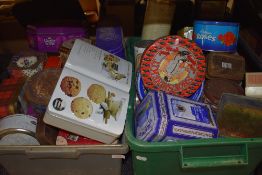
point(50, 38)
point(225, 65)
point(216, 36)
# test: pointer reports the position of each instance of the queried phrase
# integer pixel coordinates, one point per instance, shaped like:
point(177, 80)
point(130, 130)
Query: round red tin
point(173, 64)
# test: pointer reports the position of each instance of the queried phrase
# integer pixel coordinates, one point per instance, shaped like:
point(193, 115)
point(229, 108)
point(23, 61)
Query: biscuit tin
point(162, 117)
point(214, 89)
point(216, 36)
point(27, 63)
point(18, 129)
point(92, 94)
point(174, 65)
point(225, 65)
point(239, 116)
point(253, 84)
point(50, 38)
point(142, 91)
point(110, 38)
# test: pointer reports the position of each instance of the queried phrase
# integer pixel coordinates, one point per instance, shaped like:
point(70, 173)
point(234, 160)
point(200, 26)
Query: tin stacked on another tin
point(170, 81)
point(225, 73)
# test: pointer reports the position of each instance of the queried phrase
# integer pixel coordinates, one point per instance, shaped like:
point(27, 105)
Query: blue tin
point(216, 36)
point(162, 117)
point(142, 91)
point(198, 94)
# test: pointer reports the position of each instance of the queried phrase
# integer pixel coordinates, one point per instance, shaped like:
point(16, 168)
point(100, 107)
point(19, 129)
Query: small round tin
point(174, 65)
point(18, 129)
point(216, 36)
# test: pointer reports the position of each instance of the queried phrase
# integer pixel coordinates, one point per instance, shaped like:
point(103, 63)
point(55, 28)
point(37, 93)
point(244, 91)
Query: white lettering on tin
point(206, 35)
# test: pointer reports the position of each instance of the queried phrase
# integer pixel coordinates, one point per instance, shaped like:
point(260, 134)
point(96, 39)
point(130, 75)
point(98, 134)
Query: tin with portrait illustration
point(216, 36)
point(174, 65)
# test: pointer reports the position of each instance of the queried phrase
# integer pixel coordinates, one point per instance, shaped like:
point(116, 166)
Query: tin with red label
point(174, 65)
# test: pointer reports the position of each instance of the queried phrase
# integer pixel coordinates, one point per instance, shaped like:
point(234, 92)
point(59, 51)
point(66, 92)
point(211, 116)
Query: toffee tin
point(174, 65)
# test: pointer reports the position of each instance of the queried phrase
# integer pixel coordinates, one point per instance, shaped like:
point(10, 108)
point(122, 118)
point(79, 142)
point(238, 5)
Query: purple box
point(50, 38)
point(110, 38)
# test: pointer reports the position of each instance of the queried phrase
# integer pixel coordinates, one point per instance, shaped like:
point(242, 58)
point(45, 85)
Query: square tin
point(162, 117)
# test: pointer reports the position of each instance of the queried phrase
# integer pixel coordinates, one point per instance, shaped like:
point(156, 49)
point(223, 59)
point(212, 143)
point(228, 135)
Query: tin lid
point(47, 29)
point(109, 38)
point(225, 65)
point(174, 65)
point(221, 23)
point(214, 89)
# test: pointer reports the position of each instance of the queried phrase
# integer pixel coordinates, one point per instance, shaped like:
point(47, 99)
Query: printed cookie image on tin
point(70, 86)
point(81, 107)
point(108, 105)
point(173, 64)
point(96, 93)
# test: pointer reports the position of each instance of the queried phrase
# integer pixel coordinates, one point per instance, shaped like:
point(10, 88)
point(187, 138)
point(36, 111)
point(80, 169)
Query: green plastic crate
point(222, 156)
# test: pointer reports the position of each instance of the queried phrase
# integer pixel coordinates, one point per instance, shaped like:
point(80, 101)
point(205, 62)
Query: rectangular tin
point(162, 117)
point(50, 38)
point(225, 65)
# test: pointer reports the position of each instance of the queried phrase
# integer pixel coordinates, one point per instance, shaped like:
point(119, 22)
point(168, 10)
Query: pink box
point(50, 38)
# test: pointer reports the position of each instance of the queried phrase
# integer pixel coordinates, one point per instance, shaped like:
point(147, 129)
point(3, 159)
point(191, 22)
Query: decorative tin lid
point(174, 65)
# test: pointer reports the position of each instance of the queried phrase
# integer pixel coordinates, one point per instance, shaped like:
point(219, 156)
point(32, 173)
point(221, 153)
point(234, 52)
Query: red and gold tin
point(173, 64)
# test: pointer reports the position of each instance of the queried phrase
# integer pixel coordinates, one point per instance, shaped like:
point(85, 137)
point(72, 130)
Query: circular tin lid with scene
point(174, 65)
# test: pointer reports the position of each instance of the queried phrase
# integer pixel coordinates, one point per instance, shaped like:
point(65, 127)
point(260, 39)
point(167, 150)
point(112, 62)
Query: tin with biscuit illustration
point(91, 97)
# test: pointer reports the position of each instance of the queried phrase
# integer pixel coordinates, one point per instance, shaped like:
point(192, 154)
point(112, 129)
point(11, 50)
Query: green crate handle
point(192, 157)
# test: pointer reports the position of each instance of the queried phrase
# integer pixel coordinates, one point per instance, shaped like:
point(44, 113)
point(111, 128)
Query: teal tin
point(216, 36)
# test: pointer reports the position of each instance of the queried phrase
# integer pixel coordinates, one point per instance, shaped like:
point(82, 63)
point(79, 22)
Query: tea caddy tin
point(162, 117)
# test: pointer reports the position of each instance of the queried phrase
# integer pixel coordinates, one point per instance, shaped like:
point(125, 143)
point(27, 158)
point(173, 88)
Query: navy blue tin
point(142, 91)
point(163, 117)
